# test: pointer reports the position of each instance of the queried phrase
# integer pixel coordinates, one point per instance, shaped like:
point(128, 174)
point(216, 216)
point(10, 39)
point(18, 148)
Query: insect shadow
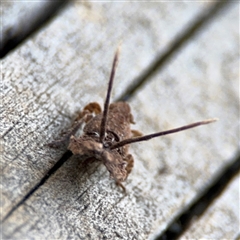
point(107, 135)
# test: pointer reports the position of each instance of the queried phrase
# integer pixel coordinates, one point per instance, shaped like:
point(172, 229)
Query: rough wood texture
point(65, 66)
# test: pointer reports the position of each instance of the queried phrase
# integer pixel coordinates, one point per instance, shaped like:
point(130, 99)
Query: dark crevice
point(237, 236)
point(182, 222)
point(9, 130)
point(198, 24)
point(57, 165)
point(15, 35)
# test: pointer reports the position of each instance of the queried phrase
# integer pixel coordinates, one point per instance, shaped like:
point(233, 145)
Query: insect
point(107, 135)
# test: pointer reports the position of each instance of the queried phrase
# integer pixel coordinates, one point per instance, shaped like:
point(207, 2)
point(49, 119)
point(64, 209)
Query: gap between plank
point(15, 35)
point(157, 65)
point(198, 207)
point(198, 24)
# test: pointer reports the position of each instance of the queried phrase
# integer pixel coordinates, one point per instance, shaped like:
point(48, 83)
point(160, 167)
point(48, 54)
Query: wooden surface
point(222, 218)
point(66, 65)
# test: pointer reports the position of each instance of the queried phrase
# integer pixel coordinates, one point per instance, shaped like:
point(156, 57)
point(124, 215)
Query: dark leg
point(83, 116)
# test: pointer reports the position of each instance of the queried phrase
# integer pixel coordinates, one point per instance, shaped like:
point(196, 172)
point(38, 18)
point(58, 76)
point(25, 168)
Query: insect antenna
point(174, 130)
point(106, 104)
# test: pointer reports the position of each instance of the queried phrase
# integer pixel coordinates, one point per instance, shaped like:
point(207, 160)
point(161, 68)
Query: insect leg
point(130, 163)
point(93, 107)
point(64, 140)
point(118, 183)
point(136, 133)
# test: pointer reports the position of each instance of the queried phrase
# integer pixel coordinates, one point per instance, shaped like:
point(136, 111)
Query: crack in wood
point(182, 222)
point(217, 186)
point(9, 130)
point(57, 165)
point(32, 23)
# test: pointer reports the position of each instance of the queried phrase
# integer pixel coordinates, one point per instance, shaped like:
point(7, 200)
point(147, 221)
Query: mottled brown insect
point(107, 135)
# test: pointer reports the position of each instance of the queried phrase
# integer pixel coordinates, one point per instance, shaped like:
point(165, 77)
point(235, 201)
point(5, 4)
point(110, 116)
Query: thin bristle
point(158, 134)
point(106, 104)
point(118, 49)
point(207, 121)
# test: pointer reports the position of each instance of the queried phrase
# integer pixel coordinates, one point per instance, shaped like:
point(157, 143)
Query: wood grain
point(221, 221)
point(65, 66)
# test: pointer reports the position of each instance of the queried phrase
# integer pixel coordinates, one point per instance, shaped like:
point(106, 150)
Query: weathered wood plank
point(204, 77)
point(20, 19)
point(49, 78)
point(34, 88)
point(221, 221)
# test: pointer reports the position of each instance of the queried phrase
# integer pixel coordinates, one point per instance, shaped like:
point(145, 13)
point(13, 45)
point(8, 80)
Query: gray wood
point(221, 220)
point(20, 19)
point(65, 66)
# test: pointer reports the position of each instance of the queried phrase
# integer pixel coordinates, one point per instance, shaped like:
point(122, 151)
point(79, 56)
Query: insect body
point(118, 162)
point(107, 135)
